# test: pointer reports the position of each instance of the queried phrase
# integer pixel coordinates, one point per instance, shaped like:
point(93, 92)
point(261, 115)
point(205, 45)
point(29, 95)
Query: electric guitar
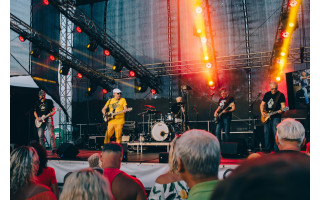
point(110, 115)
point(43, 117)
point(265, 119)
point(218, 118)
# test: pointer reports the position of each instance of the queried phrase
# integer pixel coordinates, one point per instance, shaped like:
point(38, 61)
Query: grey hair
point(290, 130)
point(24, 165)
point(273, 83)
point(199, 151)
point(94, 160)
point(86, 184)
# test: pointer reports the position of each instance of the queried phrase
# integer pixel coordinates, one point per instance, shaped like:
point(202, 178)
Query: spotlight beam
point(56, 50)
point(79, 18)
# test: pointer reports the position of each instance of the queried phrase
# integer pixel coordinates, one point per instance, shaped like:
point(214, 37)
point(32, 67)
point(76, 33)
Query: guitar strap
point(276, 101)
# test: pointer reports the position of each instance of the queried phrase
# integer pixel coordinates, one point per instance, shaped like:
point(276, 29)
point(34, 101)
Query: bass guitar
point(269, 114)
point(110, 115)
point(42, 118)
point(218, 118)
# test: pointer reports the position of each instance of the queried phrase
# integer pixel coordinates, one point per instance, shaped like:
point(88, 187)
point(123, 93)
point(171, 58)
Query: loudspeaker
point(67, 151)
point(233, 150)
point(164, 157)
point(92, 144)
point(125, 151)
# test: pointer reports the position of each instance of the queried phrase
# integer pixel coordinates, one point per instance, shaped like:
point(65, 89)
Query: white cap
point(116, 90)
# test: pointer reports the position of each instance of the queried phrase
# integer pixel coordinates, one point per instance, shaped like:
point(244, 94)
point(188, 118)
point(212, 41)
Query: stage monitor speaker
point(92, 144)
point(99, 142)
point(233, 150)
point(164, 157)
point(67, 151)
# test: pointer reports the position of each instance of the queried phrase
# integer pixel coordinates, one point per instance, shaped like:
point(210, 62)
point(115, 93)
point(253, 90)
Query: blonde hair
point(24, 165)
point(86, 184)
point(94, 160)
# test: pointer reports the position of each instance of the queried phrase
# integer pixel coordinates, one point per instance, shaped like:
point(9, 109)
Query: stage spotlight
point(45, 2)
point(285, 34)
point(293, 3)
point(199, 30)
point(278, 79)
point(78, 29)
point(64, 70)
point(104, 91)
point(142, 87)
point(91, 89)
point(79, 75)
point(21, 38)
point(206, 58)
point(106, 52)
point(117, 67)
point(35, 53)
point(92, 46)
point(52, 58)
point(132, 73)
point(210, 83)
point(198, 10)
point(282, 53)
point(208, 65)
point(153, 91)
point(203, 40)
point(291, 24)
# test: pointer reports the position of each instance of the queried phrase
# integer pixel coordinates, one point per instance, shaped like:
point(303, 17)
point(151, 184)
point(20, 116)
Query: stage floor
point(133, 156)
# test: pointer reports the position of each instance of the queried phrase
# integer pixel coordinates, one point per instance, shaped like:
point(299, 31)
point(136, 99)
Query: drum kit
point(159, 127)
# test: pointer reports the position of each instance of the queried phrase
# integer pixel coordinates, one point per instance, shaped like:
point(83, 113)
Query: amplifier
point(96, 142)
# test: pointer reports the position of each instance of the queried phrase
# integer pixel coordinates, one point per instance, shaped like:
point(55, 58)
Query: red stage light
point(212, 87)
point(293, 3)
point(153, 91)
point(208, 65)
point(210, 83)
point(79, 75)
point(132, 74)
point(104, 91)
point(106, 52)
point(52, 58)
point(21, 38)
point(285, 34)
point(46, 2)
point(78, 29)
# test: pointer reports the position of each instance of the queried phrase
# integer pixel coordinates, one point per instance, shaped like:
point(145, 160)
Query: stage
point(145, 166)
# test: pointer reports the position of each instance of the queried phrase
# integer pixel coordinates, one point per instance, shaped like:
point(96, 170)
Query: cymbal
point(149, 106)
point(154, 112)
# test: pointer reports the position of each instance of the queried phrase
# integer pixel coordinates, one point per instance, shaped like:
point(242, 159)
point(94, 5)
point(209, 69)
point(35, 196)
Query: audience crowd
point(194, 160)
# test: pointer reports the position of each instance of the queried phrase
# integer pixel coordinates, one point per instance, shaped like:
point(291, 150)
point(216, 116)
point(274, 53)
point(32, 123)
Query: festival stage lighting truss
point(60, 53)
point(255, 60)
point(79, 18)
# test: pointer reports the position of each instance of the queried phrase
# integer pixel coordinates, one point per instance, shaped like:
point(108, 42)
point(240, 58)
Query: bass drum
point(159, 131)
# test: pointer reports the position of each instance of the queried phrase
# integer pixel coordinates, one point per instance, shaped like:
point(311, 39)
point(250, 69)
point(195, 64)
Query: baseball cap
point(116, 90)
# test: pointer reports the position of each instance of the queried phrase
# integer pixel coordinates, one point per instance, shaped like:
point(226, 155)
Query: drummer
point(177, 109)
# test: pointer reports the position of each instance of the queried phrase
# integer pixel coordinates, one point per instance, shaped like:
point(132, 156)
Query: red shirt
point(47, 177)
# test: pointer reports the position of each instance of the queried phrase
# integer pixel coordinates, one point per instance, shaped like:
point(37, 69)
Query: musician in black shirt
point(43, 108)
point(226, 106)
point(273, 100)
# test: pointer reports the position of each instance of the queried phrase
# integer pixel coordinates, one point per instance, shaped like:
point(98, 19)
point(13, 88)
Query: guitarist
point(273, 100)
point(115, 125)
point(44, 107)
point(225, 119)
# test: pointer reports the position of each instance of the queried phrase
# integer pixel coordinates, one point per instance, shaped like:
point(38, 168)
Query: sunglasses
point(118, 93)
point(274, 88)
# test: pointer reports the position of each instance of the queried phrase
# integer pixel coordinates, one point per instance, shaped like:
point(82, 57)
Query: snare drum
point(159, 131)
point(169, 117)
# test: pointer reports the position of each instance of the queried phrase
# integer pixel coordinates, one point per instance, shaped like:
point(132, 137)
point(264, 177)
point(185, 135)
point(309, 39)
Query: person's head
point(111, 155)
point(290, 135)
point(273, 87)
point(117, 93)
point(303, 73)
point(198, 154)
point(42, 94)
point(179, 99)
point(42, 153)
point(94, 160)
point(284, 175)
point(86, 184)
point(24, 165)
point(223, 92)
